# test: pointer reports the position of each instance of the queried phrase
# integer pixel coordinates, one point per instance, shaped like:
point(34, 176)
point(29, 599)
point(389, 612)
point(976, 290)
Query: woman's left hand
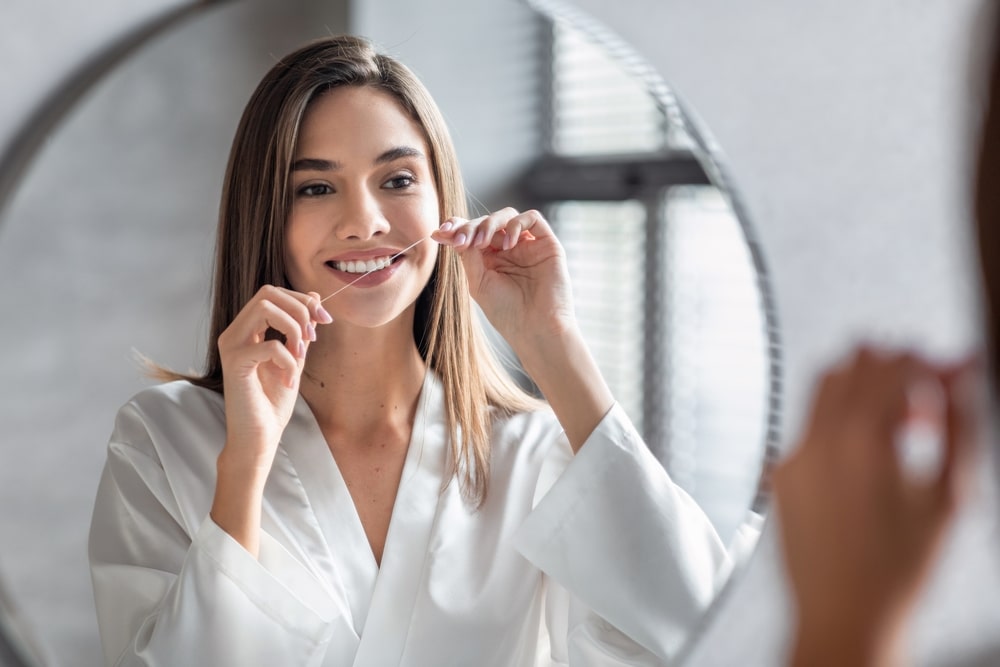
point(516, 270)
point(518, 275)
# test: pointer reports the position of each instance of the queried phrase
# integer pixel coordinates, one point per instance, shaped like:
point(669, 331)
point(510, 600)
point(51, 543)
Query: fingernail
point(507, 240)
point(480, 237)
point(302, 349)
point(323, 316)
point(460, 239)
point(311, 331)
point(446, 226)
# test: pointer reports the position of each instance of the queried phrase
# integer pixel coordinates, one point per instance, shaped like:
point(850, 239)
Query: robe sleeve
point(170, 595)
point(634, 560)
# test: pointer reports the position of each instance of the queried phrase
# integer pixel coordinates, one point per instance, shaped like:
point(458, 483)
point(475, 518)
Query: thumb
point(966, 412)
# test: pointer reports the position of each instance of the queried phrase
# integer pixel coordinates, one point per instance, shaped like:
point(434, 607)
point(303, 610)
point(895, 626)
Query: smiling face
point(362, 190)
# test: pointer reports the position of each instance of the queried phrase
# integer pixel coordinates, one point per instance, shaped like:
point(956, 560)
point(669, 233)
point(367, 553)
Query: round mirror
point(671, 286)
point(106, 249)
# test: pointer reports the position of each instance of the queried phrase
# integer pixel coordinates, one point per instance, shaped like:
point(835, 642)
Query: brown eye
point(399, 182)
point(315, 190)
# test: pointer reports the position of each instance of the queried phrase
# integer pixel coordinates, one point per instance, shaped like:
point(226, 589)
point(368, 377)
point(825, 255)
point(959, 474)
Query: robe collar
point(379, 599)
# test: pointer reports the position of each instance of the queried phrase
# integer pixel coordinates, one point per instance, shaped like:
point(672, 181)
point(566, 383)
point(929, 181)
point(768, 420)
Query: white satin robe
point(597, 559)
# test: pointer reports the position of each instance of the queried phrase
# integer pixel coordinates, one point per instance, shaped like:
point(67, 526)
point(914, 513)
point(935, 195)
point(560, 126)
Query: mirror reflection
point(672, 296)
point(129, 258)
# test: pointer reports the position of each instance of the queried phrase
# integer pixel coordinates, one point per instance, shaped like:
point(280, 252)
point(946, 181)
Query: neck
point(358, 380)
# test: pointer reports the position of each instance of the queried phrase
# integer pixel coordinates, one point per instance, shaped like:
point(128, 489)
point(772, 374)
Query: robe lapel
point(413, 517)
point(348, 563)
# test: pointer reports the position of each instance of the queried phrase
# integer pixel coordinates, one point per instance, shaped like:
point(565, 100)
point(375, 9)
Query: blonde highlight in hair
point(251, 237)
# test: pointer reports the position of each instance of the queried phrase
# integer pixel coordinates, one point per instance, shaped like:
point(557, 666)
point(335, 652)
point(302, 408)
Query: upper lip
point(364, 255)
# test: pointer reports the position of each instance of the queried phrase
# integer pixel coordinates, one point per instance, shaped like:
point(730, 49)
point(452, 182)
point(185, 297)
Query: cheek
point(432, 255)
point(431, 213)
point(431, 221)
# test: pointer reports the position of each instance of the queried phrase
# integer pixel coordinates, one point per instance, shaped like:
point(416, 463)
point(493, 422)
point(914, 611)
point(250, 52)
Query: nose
point(361, 217)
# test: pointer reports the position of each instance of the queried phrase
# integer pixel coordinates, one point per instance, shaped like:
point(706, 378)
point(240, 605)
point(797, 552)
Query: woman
point(354, 480)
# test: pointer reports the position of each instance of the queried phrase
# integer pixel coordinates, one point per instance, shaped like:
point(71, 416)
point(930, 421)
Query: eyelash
point(310, 190)
point(410, 180)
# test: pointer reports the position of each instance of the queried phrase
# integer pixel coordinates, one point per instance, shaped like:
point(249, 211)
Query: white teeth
point(362, 266)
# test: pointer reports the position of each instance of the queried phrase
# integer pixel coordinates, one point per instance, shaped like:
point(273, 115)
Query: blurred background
point(845, 127)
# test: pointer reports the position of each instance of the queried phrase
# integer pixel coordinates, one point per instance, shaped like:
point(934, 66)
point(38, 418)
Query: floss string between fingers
point(406, 249)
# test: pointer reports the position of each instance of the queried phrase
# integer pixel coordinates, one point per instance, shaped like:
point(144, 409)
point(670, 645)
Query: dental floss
point(374, 270)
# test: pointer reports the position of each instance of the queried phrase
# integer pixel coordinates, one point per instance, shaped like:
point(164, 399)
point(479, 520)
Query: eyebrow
point(315, 164)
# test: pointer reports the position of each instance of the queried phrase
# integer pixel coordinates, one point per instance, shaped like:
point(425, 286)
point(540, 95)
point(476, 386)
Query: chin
point(371, 318)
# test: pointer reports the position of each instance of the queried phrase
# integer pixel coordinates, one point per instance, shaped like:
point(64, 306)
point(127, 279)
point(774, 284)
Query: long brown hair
point(251, 237)
point(987, 204)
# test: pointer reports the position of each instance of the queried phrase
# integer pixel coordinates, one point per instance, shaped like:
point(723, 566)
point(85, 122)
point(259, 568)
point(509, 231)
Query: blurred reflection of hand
point(860, 532)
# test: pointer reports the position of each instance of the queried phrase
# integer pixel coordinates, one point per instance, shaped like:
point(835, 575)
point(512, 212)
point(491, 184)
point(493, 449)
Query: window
point(666, 290)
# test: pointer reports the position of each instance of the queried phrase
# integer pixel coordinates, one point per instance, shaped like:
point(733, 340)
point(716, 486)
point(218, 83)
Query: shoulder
point(529, 451)
point(172, 402)
point(163, 452)
point(529, 434)
point(179, 393)
point(540, 422)
point(170, 414)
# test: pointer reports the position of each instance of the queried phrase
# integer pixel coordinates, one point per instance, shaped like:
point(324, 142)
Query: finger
point(457, 232)
point(512, 233)
point(481, 232)
point(258, 321)
point(249, 358)
point(530, 224)
point(908, 418)
point(862, 403)
point(266, 320)
point(314, 310)
point(488, 228)
point(304, 308)
point(896, 387)
point(279, 325)
point(289, 368)
point(919, 381)
point(446, 230)
point(964, 417)
point(314, 303)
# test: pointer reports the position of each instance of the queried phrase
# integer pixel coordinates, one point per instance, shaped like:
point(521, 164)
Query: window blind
point(664, 286)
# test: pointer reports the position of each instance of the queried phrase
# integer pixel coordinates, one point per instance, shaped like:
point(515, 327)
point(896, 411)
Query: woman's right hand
point(261, 376)
point(261, 373)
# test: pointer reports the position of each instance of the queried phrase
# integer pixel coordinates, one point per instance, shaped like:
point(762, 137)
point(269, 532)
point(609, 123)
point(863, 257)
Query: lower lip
point(372, 279)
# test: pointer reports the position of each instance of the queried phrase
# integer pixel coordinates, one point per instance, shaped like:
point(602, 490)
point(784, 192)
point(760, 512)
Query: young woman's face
point(362, 191)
